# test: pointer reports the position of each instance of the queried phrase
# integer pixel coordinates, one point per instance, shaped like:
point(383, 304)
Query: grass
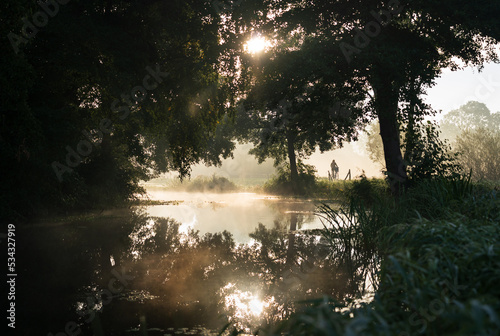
point(362, 188)
point(439, 253)
point(310, 185)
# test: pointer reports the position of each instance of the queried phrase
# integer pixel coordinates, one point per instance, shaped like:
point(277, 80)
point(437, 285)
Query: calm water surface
point(238, 213)
point(187, 267)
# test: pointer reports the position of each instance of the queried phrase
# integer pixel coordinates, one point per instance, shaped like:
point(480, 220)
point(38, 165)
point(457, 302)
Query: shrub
point(427, 156)
point(218, 184)
point(281, 184)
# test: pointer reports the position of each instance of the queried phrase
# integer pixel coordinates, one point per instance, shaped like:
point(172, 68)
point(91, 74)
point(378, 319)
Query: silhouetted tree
point(104, 95)
point(289, 112)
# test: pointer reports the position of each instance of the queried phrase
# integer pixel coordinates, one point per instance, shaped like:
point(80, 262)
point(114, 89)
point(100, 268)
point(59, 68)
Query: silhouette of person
point(335, 169)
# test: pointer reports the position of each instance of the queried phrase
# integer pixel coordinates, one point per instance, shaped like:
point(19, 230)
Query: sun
point(256, 44)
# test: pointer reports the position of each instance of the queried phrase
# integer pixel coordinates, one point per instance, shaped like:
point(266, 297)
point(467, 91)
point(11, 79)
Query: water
point(187, 267)
point(238, 213)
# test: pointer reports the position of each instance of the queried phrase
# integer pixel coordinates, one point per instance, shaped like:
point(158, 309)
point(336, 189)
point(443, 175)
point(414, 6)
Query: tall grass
point(439, 249)
point(350, 242)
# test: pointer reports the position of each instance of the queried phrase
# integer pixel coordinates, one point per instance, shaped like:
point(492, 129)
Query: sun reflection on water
point(245, 305)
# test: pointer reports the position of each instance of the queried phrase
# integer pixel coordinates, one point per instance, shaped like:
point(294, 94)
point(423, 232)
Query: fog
point(242, 166)
point(352, 156)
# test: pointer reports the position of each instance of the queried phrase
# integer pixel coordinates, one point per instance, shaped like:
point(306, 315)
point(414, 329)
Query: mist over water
point(244, 166)
point(238, 213)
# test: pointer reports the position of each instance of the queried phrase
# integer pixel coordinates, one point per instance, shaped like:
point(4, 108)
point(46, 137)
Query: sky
point(455, 88)
point(452, 90)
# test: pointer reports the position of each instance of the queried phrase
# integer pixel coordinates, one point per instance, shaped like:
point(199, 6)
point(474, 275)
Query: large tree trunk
point(386, 105)
point(411, 135)
point(294, 175)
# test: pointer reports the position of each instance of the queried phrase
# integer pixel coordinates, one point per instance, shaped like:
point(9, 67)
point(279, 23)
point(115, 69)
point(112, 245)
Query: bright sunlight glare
point(245, 305)
point(256, 307)
point(256, 44)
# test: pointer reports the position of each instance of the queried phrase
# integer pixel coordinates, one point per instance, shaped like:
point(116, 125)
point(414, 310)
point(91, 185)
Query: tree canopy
point(289, 113)
point(99, 95)
point(105, 94)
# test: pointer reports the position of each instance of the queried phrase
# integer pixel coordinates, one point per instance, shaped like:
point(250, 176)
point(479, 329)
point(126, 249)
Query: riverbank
point(319, 188)
point(439, 247)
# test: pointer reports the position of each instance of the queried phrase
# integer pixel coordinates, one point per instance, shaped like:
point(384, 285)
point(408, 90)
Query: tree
point(289, 112)
point(479, 151)
point(374, 145)
point(146, 72)
point(395, 48)
point(470, 116)
point(426, 155)
point(475, 133)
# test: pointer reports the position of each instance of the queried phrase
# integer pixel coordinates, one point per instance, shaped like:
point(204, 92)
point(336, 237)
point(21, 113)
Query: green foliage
point(475, 132)
point(439, 268)
point(367, 191)
point(426, 155)
point(280, 183)
point(374, 145)
point(398, 61)
point(470, 116)
point(288, 113)
point(79, 70)
point(362, 188)
point(350, 239)
point(440, 275)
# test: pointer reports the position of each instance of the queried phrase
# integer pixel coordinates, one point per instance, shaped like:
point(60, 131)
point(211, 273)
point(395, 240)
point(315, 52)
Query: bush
point(427, 156)
point(362, 189)
point(217, 184)
point(280, 183)
point(366, 191)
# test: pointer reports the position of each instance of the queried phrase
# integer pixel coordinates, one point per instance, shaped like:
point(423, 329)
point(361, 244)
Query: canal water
point(187, 267)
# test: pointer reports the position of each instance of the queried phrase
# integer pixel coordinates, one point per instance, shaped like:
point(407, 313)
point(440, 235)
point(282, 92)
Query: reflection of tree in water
point(181, 278)
point(199, 279)
point(284, 208)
